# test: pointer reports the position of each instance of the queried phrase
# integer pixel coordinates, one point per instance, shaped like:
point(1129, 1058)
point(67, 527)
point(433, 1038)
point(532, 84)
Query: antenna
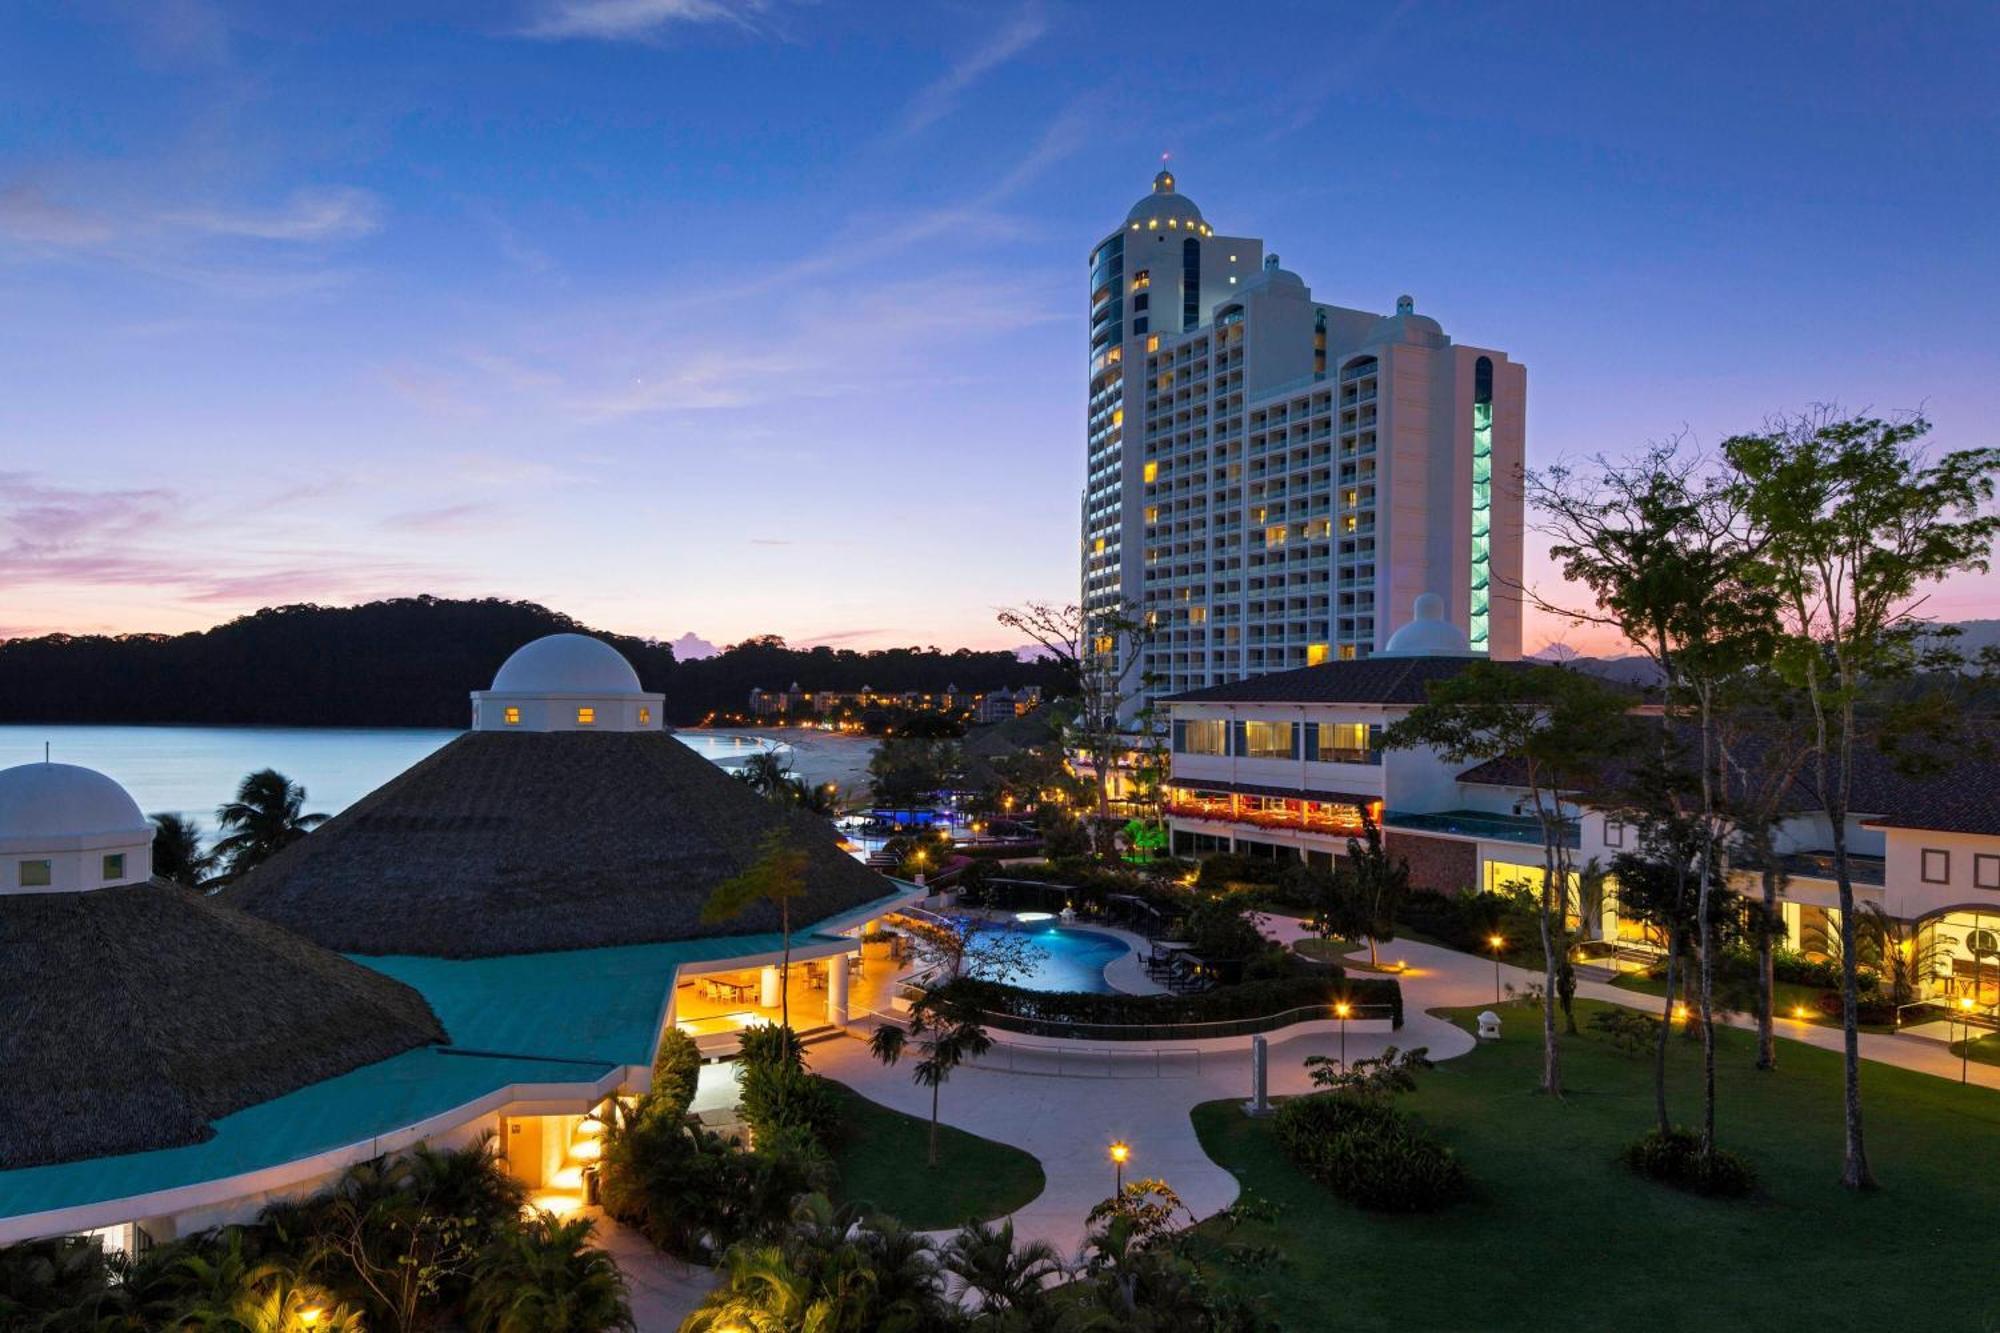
point(45, 752)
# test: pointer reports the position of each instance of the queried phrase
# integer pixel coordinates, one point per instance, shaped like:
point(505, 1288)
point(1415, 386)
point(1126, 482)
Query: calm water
point(192, 770)
point(1073, 958)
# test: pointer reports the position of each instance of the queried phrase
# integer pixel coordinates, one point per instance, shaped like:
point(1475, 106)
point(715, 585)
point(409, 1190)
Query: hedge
point(1019, 1009)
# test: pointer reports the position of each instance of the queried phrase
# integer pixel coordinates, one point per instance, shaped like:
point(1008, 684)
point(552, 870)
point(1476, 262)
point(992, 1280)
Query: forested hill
point(411, 662)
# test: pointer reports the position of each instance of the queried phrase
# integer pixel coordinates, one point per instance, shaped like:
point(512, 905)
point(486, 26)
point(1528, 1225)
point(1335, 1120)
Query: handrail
point(1225, 1027)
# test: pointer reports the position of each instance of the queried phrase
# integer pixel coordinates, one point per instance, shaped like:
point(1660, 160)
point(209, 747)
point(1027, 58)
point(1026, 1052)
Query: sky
point(730, 317)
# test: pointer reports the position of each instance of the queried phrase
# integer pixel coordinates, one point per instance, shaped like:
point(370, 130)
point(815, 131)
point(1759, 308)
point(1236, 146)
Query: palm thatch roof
point(529, 842)
point(137, 1015)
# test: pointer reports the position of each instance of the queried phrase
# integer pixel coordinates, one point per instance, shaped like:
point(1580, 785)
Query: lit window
point(1153, 343)
point(1098, 546)
point(1316, 653)
point(1117, 416)
point(513, 717)
point(645, 717)
point(586, 717)
point(1152, 473)
point(1274, 535)
point(1204, 736)
point(114, 866)
point(37, 874)
point(1269, 740)
point(1152, 515)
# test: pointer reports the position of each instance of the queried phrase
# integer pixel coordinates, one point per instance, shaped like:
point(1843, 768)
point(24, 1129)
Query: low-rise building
point(1283, 766)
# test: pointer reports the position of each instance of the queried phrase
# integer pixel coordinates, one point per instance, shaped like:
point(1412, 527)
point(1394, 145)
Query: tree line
point(411, 661)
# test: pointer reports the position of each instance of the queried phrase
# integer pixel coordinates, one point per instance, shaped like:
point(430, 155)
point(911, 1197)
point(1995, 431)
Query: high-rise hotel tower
point(1273, 480)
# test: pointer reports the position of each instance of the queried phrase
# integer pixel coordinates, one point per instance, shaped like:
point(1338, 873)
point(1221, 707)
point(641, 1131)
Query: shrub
point(1674, 1158)
point(1870, 1009)
point(1628, 1030)
point(780, 1096)
point(545, 1275)
point(1369, 1153)
point(676, 1070)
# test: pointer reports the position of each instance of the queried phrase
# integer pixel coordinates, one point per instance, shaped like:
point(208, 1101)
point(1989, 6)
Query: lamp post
point(1120, 1150)
point(1495, 943)
point(1343, 1009)
point(1964, 1038)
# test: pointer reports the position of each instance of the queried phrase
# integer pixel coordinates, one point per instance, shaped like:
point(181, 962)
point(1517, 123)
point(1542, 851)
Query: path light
point(1965, 1039)
point(310, 1316)
point(1343, 1009)
point(1495, 943)
point(1120, 1150)
point(1800, 1012)
point(1680, 1011)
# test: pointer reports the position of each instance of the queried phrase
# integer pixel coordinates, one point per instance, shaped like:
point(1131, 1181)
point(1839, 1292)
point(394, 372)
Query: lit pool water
point(1072, 958)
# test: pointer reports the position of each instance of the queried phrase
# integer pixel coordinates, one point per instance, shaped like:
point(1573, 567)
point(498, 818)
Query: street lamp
point(1120, 1150)
point(1495, 943)
point(1964, 1038)
point(1343, 1009)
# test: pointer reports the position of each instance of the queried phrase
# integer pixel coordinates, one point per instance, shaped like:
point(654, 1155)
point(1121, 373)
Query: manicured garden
point(879, 1158)
point(1556, 1233)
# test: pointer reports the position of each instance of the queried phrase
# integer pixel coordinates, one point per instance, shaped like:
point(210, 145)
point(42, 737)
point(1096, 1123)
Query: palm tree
point(778, 875)
point(946, 1035)
point(265, 818)
point(766, 772)
point(999, 1274)
point(546, 1277)
point(178, 855)
point(823, 799)
point(761, 1292)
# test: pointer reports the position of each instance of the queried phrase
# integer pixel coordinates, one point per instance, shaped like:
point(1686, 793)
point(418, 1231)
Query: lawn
point(882, 1162)
point(1787, 997)
point(1985, 1050)
point(1559, 1235)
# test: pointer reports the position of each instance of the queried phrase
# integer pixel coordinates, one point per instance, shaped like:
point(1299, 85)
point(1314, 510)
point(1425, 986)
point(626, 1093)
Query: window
point(645, 717)
point(114, 866)
point(513, 717)
point(1985, 871)
point(1191, 283)
point(1316, 653)
point(1936, 866)
point(1204, 736)
point(586, 717)
point(1343, 743)
point(1478, 625)
point(1614, 833)
point(1152, 473)
point(1269, 740)
point(36, 874)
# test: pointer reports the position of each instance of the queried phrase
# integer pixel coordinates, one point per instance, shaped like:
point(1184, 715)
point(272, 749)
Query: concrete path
point(663, 1291)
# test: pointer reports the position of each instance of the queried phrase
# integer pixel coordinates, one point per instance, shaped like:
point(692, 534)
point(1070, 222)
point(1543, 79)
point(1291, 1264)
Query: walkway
point(663, 1291)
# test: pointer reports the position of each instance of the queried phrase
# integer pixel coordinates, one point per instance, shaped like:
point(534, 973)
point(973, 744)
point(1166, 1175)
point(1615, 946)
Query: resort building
point(1270, 478)
point(493, 941)
point(1282, 766)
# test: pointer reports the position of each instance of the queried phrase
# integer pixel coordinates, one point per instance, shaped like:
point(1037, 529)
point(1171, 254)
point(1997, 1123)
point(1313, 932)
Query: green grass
point(1324, 951)
point(1559, 1235)
point(882, 1163)
point(1787, 998)
point(1985, 1050)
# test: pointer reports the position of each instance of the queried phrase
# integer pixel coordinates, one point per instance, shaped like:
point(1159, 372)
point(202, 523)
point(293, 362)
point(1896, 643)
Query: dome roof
point(1429, 635)
point(1163, 205)
point(1407, 326)
point(566, 664)
point(54, 804)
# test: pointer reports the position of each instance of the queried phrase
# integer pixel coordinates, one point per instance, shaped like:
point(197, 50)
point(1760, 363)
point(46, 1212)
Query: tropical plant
point(1378, 1077)
point(946, 1034)
point(178, 854)
point(998, 1274)
point(267, 816)
point(767, 772)
point(1369, 1153)
point(1378, 883)
point(544, 1276)
point(777, 876)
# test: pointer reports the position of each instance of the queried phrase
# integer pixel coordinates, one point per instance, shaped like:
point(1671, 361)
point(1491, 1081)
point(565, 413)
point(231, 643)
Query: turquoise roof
point(354, 1107)
point(582, 1004)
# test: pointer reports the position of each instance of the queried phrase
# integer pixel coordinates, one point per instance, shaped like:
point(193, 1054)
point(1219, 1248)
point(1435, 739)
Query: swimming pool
point(1072, 958)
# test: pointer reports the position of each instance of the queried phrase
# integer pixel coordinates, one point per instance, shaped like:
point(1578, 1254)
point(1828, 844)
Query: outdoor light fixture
point(1799, 1012)
point(1496, 943)
point(310, 1316)
point(1343, 1009)
point(1120, 1150)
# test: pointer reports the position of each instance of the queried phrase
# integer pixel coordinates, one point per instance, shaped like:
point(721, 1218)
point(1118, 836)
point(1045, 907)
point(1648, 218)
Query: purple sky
point(766, 317)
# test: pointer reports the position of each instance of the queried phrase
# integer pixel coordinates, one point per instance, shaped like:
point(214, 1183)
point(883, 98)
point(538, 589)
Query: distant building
point(984, 705)
point(1272, 479)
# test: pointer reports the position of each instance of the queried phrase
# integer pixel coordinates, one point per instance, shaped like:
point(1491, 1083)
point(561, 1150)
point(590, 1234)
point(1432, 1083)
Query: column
point(836, 990)
point(771, 997)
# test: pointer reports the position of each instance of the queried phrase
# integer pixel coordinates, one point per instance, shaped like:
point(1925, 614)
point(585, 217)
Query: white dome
point(1164, 204)
point(566, 664)
point(1407, 326)
point(55, 805)
point(1429, 635)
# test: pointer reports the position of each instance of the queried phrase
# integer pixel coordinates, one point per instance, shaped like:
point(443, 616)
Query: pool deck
point(1125, 974)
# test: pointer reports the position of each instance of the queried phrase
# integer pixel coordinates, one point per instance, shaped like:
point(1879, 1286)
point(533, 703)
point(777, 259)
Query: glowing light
point(1343, 1009)
point(1034, 916)
point(1680, 1012)
point(1121, 1151)
point(310, 1316)
point(1494, 942)
point(1965, 1003)
point(1800, 1012)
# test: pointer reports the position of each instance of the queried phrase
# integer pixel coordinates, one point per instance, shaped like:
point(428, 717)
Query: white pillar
point(771, 997)
point(836, 990)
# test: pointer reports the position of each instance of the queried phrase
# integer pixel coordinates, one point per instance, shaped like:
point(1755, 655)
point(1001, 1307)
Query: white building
point(1281, 765)
point(1271, 478)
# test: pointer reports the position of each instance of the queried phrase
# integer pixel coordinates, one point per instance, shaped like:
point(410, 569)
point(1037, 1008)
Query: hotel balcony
point(1339, 818)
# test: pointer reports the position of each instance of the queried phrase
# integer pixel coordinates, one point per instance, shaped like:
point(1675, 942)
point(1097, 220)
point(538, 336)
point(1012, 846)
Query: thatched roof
point(527, 842)
point(136, 1015)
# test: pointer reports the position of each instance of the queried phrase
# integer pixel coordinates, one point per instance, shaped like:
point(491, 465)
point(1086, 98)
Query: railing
point(1498, 827)
point(1228, 1027)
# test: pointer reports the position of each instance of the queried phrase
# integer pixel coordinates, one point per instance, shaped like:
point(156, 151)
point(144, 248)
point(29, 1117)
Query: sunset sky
point(743, 317)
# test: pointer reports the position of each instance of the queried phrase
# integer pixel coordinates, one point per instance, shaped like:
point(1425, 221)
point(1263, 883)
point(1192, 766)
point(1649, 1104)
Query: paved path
point(663, 1290)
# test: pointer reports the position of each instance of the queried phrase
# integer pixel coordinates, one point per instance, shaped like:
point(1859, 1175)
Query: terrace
point(1484, 824)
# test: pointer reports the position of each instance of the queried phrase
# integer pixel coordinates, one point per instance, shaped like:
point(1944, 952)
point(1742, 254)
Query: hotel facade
point(1272, 479)
point(1282, 765)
